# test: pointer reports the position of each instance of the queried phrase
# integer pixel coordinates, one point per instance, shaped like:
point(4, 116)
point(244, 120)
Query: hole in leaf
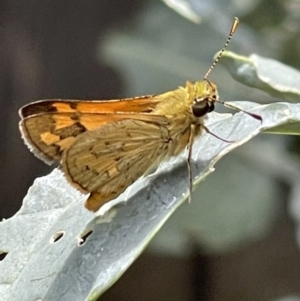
point(83, 236)
point(57, 236)
point(3, 255)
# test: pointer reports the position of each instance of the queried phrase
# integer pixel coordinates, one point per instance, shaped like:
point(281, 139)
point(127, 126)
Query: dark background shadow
point(48, 49)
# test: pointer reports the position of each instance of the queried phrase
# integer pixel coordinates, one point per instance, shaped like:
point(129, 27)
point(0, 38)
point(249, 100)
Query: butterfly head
point(205, 95)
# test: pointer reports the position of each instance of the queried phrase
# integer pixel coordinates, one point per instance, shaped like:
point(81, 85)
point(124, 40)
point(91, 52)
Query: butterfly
point(105, 146)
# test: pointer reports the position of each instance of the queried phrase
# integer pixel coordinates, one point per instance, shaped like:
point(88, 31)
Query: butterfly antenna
point(231, 33)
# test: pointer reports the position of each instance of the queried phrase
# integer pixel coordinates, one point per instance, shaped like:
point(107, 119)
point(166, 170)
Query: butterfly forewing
point(136, 104)
point(50, 126)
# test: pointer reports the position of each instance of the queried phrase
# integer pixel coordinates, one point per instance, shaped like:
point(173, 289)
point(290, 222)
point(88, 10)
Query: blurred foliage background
point(237, 240)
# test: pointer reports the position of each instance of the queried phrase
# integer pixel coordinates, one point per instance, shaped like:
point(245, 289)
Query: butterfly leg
point(190, 147)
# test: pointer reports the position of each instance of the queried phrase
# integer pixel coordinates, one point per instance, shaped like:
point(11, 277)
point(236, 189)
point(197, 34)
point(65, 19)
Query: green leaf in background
point(266, 74)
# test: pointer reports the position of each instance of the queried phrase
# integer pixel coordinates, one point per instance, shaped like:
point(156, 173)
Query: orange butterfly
point(105, 146)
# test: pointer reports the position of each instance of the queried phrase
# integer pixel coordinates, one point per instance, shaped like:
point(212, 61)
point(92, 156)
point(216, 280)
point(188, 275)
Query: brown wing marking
point(106, 161)
point(49, 134)
point(45, 140)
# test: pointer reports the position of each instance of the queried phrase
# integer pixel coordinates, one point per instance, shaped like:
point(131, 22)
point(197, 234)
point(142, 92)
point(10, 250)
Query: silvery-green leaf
point(266, 74)
point(57, 250)
point(195, 10)
point(184, 9)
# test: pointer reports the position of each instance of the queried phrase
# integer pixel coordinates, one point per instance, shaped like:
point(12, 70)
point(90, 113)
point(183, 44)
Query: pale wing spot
point(65, 143)
point(62, 121)
point(92, 122)
point(49, 138)
point(112, 172)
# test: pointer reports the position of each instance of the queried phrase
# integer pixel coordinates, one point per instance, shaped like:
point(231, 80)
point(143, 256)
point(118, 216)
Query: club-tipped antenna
point(231, 33)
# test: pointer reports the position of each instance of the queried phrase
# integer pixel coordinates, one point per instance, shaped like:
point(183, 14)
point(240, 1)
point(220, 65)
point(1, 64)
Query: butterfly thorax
point(178, 105)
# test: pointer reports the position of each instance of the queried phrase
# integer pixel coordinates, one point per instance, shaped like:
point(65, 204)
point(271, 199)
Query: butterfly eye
point(202, 107)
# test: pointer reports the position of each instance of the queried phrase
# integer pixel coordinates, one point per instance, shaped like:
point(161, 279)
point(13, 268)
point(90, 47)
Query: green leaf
point(40, 265)
point(292, 128)
point(266, 74)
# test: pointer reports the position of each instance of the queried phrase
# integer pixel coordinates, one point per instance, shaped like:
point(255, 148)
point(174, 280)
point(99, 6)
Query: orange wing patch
point(135, 105)
point(49, 127)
